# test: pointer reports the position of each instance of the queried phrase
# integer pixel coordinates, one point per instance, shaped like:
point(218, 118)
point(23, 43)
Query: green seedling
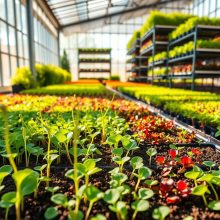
point(4, 171)
point(145, 193)
point(50, 157)
point(151, 182)
point(151, 152)
point(118, 179)
point(143, 173)
point(120, 209)
point(120, 161)
point(7, 201)
point(136, 163)
point(93, 194)
point(208, 178)
point(63, 137)
point(194, 174)
point(99, 217)
point(113, 140)
point(161, 213)
point(88, 168)
point(129, 145)
point(62, 200)
point(52, 189)
point(200, 191)
point(214, 205)
point(209, 164)
point(51, 213)
point(26, 183)
point(139, 206)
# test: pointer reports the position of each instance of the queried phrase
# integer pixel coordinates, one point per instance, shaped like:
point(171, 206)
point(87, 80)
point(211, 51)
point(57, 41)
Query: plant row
point(69, 89)
point(200, 106)
point(191, 23)
point(108, 171)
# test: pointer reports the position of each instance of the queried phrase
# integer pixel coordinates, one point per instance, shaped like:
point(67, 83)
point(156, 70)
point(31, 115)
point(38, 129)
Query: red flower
point(186, 161)
point(160, 160)
point(181, 185)
point(172, 199)
point(166, 185)
point(173, 153)
point(196, 151)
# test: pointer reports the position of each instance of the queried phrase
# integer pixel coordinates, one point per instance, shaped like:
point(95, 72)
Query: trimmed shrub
point(24, 77)
point(46, 75)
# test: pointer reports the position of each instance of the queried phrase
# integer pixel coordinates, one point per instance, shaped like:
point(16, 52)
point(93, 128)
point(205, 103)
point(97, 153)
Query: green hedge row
point(45, 74)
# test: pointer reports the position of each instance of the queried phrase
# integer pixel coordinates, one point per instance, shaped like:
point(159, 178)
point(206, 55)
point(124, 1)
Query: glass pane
point(3, 37)
point(13, 65)
point(11, 12)
point(2, 9)
point(12, 42)
point(6, 70)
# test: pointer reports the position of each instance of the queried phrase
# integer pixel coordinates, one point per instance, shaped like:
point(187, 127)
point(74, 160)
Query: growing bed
point(94, 155)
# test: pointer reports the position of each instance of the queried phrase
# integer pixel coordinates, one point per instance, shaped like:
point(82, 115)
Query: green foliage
point(45, 75)
point(115, 77)
point(191, 23)
point(64, 62)
point(135, 36)
point(162, 18)
point(24, 77)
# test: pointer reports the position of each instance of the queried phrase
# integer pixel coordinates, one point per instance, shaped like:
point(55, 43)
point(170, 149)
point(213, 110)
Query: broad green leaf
point(214, 205)
point(60, 199)
point(161, 212)
point(51, 213)
point(93, 194)
point(200, 190)
point(141, 205)
point(145, 193)
point(111, 196)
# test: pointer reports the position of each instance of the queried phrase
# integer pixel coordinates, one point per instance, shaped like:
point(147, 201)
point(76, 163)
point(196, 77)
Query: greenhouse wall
point(14, 41)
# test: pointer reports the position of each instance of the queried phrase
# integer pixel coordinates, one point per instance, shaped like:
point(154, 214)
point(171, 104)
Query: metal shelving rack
point(138, 68)
point(93, 60)
point(198, 32)
point(157, 46)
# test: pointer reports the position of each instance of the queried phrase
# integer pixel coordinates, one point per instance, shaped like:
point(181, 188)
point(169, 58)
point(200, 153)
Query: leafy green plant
point(93, 194)
point(143, 173)
point(161, 212)
point(151, 152)
point(65, 64)
point(200, 191)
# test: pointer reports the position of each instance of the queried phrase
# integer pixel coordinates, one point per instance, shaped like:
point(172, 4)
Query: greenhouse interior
point(110, 109)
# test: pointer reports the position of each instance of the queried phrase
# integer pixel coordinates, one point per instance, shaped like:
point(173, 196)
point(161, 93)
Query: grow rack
point(94, 57)
point(139, 67)
point(158, 45)
point(198, 32)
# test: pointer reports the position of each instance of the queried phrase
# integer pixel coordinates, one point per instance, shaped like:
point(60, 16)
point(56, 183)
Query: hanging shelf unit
point(99, 58)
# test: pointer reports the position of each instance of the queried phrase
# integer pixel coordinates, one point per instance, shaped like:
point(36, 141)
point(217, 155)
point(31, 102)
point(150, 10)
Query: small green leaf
point(111, 196)
point(145, 193)
point(98, 217)
point(161, 212)
point(200, 190)
point(51, 213)
point(60, 199)
point(214, 205)
point(209, 163)
point(140, 206)
point(93, 194)
point(151, 152)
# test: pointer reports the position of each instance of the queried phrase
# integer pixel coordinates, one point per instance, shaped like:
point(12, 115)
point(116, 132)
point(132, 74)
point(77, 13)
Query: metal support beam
point(30, 29)
point(134, 9)
point(58, 47)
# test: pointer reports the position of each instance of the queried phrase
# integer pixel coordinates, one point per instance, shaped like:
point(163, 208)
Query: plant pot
point(17, 88)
